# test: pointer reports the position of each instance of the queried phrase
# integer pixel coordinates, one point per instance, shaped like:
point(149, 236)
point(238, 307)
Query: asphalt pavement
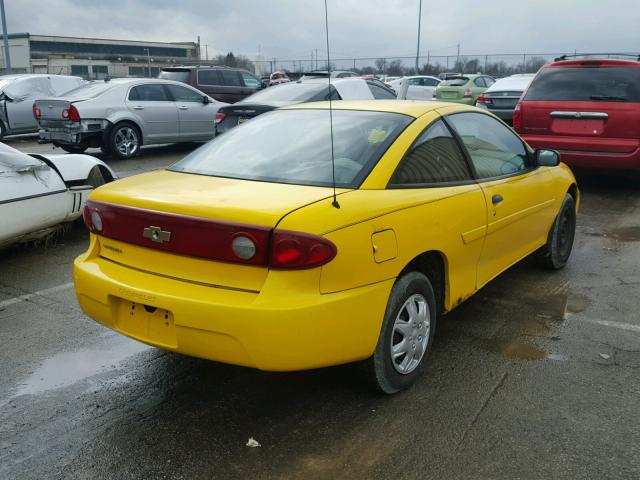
point(535, 377)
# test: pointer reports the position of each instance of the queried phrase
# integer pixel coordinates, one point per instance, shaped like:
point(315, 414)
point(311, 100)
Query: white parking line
point(608, 323)
point(46, 291)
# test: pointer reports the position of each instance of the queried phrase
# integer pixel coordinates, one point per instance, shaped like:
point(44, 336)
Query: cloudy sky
point(363, 28)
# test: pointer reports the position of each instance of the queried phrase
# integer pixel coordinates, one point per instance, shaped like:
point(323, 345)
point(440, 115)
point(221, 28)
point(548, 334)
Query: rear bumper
point(505, 114)
point(627, 161)
point(464, 101)
point(278, 329)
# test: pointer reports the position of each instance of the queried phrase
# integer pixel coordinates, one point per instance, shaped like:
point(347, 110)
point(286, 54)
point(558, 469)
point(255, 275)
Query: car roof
point(413, 108)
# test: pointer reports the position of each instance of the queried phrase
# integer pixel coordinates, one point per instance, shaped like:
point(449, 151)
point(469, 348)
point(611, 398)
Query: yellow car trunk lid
point(152, 221)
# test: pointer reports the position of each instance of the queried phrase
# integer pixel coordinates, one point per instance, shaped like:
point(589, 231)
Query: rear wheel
point(556, 252)
point(406, 335)
point(124, 140)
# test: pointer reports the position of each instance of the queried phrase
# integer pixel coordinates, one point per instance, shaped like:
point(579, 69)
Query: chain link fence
point(497, 65)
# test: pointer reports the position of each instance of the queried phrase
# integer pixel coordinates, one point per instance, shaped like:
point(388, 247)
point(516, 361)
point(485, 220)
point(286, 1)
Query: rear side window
point(617, 84)
point(250, 81)
point(149, 93)
point(209, 77)
point(494, 149)
point(434, 158)
point(480, 82)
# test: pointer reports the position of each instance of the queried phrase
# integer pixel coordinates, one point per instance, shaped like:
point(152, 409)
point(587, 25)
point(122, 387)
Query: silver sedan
point(121, 115)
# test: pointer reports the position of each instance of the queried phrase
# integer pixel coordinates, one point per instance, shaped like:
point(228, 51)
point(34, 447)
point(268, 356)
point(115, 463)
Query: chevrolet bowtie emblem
point(156, 234)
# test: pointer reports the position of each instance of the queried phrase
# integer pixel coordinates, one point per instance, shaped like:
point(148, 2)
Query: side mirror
point(206, 100)
point(547, 158)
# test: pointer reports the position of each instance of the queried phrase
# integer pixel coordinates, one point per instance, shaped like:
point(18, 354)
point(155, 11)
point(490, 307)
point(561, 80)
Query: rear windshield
point(90, 90)
point(294, 146)
point(177, 75)
point(454, 82)
point(288, 92)
point(615, 84)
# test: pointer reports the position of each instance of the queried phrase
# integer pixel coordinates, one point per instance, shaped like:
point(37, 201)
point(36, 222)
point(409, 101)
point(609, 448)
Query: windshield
point(289, 92)
point(454, 82)
point(177, 75)
point(90, 90)
point(620, 84)
point(293, 146)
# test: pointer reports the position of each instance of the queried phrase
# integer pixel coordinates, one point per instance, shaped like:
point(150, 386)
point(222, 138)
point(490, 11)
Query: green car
point(463, 89)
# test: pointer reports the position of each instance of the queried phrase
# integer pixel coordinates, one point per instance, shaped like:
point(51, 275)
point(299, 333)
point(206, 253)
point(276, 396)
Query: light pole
point(418, 49)
point(7, 56)
point(148, 62)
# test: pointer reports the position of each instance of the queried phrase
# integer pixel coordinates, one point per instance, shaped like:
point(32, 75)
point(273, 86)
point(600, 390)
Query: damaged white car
point(39, 194)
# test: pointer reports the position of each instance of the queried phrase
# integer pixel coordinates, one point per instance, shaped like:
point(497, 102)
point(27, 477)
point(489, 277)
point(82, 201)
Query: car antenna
point(333, 160)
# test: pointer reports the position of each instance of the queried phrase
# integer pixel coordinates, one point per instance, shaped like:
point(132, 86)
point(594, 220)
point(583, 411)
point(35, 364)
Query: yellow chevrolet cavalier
point(239, 253)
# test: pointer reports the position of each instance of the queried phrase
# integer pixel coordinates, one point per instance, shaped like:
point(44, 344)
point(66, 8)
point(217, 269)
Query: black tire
point(555, 254)
point(383, 370)
point(96, 178)
point(73, 148)
point(121, 134)
point(3, 131)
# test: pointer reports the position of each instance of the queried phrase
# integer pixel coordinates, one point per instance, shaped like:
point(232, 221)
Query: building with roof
point(95, 58)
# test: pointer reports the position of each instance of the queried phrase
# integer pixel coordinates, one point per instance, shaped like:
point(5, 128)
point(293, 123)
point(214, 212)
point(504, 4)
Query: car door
point(517, 195)
point(155, 111)
point(197, 119)
point(436, 162)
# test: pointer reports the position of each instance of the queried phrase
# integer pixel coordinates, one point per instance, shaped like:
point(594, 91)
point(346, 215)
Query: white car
point(421, 87)
point(122, 114)
point(502, 97)
point(38, 193)
point(17, 93)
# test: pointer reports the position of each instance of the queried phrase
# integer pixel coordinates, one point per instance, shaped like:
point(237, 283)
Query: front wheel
point(555, 253)
point(124, 140)
point(406, 336)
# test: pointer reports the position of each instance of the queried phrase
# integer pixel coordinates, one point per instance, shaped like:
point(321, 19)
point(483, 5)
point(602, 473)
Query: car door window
point(231, 78)
point(430, 82)
point(149, 93)
point(494, 149)
point(251, 81)
point(435, 157)
point(414, 81)
point(479, 82)
point(209, 77)
point(380, 93)
point(183, 94)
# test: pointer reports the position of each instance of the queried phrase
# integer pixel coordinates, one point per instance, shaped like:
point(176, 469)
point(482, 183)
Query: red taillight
point(293, 250)
point(36, 112)
point(517, 118)
point(468, 93)
point(484, 99)
point(220, 117)
point(71, 114)
point(205, 238)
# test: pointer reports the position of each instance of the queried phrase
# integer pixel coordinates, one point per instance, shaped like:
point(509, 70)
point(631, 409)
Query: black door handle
point(496, 199)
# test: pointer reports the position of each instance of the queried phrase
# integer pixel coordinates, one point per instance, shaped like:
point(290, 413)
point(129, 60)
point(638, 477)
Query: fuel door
point(385, 246)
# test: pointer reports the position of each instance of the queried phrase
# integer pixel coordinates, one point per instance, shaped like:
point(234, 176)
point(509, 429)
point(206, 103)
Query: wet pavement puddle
point(626, 234)
point(68, 368)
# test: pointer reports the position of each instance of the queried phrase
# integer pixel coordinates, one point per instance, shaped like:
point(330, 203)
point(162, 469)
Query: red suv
point(588, 109)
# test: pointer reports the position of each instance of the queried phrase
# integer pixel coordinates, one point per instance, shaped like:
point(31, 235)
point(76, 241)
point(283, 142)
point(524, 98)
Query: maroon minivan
point(587, 109)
